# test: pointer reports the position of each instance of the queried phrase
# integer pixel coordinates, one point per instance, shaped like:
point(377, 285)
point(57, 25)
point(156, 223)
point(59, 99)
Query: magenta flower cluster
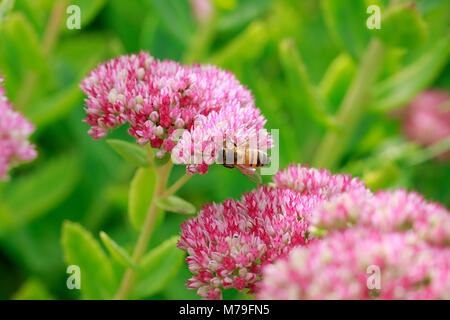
point(14, 134)
point(228, 244)
point(158, 97)
point(400, 233)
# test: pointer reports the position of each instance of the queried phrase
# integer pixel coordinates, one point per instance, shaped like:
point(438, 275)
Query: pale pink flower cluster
point(317, 181)
point(387, 212)
point(15, 131)
point(404, 236)
point(427, 119)
point(229, 243)
point(158, 97)
point(345, 266)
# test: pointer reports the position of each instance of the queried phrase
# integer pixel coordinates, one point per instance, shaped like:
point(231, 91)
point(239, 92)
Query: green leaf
point(402, 26)
point(305, 93)
point(43, 189)
point(32, 289)
point(246, 46)
point(81, 249)
point(244, 13)
point(52, 108)
point(132, 152)
point(20, 36)
point(5, 8)
point(337, 79)
point(346, 21)
point(157, 268)
point(117, 252)
point(176, 204)
point(175, 15)
point(400, 88)
point(140, 195)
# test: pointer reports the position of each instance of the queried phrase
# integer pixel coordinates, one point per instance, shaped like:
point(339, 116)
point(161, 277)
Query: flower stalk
point(332, 147)
point(162, 175)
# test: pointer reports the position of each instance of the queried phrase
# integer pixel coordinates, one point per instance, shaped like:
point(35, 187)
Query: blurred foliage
point(297, 57)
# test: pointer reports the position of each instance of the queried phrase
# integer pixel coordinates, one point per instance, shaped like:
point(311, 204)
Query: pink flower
point(400, 233)
point(386, 211)
point(201, 9)
point(316, 181)
point(188, 111)
point(229, 243)
point(360, 264)
point(14, 133)
point(427, 119)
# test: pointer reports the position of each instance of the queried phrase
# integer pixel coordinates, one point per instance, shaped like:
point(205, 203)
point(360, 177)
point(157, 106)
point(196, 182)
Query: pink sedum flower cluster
point(344, 266)
point(427, 119)
point(14, 133)
point(158, 97)
point(317, 181)
point(404, 236)
point(228, 244)
point(387, 211)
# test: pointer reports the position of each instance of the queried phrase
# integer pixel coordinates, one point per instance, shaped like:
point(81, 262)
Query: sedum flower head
point(427, 118)
point(386, 211)
point(316, 181)
point(156, 98)
point(14, 133)
point(400, 233)
point(229, 243)
point(345, 265)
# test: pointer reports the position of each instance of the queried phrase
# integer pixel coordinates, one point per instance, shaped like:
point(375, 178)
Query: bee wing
point(250, 173)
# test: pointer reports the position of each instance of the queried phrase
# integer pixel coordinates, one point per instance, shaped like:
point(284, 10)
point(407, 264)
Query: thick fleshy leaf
point(157, 268)
point(132, 152)
point(175, 15)
point(402, 26)
point(246, 46)
point(52, 108)
point(43, 189)
point(337, 79)
point(32, 289)
point(346, 21)
point(96, 272)
point(401, 87)
point(20, 36)
point(306, 95)
point(117, 252)
point(176, 204)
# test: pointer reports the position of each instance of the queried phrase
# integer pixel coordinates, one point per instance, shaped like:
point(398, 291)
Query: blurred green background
point(263, 42)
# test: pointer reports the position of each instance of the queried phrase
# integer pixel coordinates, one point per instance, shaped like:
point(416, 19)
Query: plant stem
point(48, 42)
point(162, 175)
point(176, 186)
point(436, 149)
point(333, 145)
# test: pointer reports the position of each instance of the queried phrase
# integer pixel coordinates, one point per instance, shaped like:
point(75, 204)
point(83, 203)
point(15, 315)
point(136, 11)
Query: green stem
point(162, 175)
point(333, 145)
point(436, 149)
point(176, 186)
